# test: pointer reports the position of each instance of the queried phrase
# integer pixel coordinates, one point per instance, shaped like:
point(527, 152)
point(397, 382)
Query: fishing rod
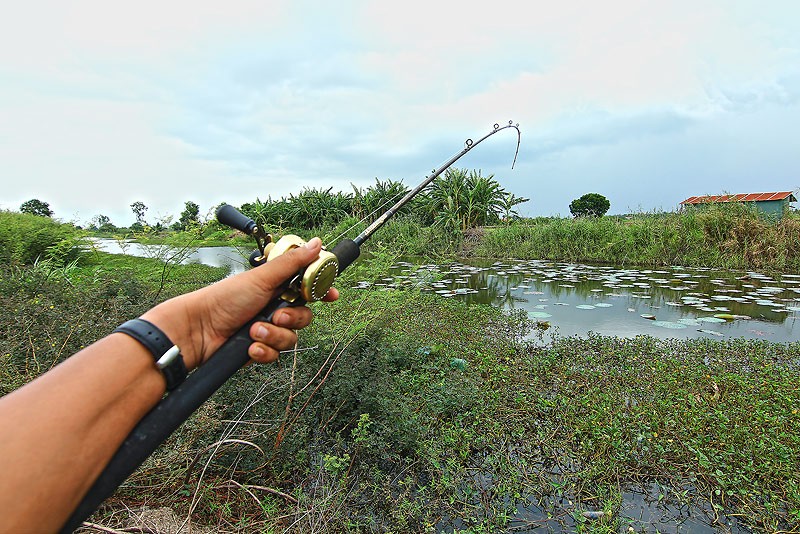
point(308, 285)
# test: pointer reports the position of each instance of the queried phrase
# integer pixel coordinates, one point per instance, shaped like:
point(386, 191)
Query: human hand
point(201, 321)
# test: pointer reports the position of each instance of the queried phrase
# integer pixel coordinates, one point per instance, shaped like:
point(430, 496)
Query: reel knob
point(318, 277)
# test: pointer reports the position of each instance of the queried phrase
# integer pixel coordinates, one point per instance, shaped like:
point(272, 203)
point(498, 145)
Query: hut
point(770, 205)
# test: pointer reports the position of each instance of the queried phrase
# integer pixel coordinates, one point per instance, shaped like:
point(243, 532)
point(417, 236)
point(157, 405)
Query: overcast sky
point(106, 103)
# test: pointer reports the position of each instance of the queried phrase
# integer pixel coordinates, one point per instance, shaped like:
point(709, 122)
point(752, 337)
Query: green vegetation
point(456, 201)
point(24, 238)
point(446, 223)
point(727, 236)
point(36, 207)
point(461, 215)
point(409, 413)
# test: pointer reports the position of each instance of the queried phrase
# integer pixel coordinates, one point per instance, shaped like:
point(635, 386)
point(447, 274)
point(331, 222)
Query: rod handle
point(170, 413)
point(346, 252)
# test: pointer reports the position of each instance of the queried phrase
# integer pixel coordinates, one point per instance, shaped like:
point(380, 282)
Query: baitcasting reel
point(311, 283)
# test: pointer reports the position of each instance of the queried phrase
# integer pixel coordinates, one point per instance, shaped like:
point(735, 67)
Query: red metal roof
point(751, 197)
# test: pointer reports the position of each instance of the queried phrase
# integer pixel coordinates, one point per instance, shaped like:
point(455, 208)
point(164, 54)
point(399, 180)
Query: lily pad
point(690, 322)
point(725, 316)
point(711, 319)
point(539, 315)
point(713, 333)
point(585, 307)
point(603, 305)
point(669, 324)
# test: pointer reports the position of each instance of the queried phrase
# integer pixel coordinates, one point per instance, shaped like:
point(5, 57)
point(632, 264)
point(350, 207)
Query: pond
point(574, 299)
point(230, 257)
point(673, 302)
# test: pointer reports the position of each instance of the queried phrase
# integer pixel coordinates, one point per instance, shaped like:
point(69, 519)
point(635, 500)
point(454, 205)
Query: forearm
point(59, 431)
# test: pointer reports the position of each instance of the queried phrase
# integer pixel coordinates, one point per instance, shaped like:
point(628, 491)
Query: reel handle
point(230, 216)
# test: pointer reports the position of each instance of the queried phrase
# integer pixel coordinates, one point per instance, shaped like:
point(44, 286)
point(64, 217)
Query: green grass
point(728, 237)
point(48, 312)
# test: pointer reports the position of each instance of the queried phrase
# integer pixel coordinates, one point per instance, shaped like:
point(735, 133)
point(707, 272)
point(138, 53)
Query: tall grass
point(728, 236)
point(26, 238)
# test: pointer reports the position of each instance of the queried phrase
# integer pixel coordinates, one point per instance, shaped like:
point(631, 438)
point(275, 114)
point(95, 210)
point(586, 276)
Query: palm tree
point(509, 201)
point(462, 200)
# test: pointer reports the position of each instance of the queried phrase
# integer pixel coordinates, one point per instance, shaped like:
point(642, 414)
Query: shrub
point(24, 238)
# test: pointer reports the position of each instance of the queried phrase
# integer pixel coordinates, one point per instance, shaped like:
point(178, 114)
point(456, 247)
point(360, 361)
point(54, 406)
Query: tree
point(138, 209)
point(36, 207)
point(189, 215)
point(102, 223)
point(459, 200)
point(589, 205)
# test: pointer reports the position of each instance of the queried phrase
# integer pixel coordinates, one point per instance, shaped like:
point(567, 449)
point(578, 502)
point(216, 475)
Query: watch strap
point(167, 355)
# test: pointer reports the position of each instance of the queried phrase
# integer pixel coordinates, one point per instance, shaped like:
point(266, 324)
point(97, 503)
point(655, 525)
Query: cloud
point(178, 101)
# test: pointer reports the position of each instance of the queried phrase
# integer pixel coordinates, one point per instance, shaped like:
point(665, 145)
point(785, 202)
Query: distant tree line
point(456, 201)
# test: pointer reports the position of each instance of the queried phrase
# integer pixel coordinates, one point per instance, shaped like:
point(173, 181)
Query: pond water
point(673, 302)
point(230, 257)
point(573, 299)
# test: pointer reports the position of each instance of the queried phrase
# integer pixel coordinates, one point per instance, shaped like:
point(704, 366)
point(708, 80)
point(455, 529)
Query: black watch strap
point(168, 356)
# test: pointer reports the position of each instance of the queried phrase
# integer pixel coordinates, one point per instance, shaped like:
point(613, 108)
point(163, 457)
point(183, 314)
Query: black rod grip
point(230, 216)
point(170, 413)
point(346, 252)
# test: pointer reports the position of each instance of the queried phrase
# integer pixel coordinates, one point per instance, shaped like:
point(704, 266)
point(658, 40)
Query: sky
point(648, 103)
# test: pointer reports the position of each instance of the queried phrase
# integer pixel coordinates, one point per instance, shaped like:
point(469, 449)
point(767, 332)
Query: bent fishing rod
point(307, 285)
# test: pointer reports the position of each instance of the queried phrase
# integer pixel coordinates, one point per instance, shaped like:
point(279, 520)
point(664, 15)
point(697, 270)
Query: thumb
point(275, 272)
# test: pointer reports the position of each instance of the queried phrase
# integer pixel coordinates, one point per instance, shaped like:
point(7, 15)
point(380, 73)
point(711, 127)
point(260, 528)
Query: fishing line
point(366, 217)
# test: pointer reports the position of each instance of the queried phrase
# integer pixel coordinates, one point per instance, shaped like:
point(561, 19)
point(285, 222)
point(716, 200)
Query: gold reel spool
point(317, 277)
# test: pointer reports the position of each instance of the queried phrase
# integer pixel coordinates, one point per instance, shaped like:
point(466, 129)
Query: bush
point(25, 238)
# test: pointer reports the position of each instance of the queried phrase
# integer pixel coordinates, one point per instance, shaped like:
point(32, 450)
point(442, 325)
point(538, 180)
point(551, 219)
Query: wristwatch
point(167, 355)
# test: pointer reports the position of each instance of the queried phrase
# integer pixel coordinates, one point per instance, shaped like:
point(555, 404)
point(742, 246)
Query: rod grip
point(346, 252)
point(230, 216)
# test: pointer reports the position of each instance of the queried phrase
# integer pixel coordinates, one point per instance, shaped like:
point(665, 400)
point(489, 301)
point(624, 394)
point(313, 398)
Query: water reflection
point(575, 298)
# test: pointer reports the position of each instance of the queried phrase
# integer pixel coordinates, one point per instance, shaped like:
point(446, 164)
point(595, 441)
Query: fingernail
point(261, 333)
point(257, 352)
point(314, 243)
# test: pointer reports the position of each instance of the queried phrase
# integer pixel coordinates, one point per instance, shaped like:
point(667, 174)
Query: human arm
point(58, 432)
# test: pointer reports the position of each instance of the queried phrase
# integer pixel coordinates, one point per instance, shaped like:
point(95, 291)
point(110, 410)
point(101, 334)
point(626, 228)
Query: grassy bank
point(49, 311)
point(726, 237)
